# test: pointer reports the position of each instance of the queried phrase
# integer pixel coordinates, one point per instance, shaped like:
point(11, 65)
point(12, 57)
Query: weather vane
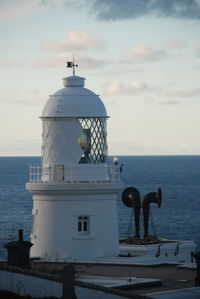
point(71, 64)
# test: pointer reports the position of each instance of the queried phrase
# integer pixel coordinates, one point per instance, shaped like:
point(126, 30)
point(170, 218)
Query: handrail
point(74, 173)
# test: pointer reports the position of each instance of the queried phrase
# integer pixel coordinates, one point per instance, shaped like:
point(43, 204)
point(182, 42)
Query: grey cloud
point(150, 101)
point(56, 61)
point(176, 44)
point(172, 102)
point(133, 88)
point(198, 52)
point(130, 9)
point(183, 93)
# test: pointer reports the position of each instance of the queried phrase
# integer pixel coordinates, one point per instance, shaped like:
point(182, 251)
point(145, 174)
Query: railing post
point(48, 173)
point(38, 173)
point(71, 174)
point(30, 173)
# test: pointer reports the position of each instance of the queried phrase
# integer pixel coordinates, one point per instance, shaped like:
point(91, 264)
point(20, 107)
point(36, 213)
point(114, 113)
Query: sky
point(141, 56)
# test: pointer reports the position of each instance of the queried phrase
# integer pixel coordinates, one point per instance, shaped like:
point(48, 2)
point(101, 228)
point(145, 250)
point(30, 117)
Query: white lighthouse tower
point(75, 189)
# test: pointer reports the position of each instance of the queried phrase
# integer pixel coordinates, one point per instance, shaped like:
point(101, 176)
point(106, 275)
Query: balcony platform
point(72, 173)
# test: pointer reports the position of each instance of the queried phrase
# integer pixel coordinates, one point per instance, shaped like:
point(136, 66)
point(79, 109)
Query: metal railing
point(74, 173)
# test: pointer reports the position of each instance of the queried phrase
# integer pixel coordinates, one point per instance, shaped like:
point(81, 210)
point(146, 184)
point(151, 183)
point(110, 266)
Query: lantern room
point(74, 126)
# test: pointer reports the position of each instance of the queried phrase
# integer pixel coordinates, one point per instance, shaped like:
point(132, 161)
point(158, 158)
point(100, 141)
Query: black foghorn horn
point(147, 200)
point(131, 198)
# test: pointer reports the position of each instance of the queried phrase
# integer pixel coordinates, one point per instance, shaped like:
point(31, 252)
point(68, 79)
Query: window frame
point(83, 225)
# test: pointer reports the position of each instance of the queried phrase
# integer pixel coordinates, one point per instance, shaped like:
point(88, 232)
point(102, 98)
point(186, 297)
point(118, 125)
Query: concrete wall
point(83, 293)
point(24, 285)
point(175, 251)
point(26, 282)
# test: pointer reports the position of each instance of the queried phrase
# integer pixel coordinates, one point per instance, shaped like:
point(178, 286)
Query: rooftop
point(152, 281)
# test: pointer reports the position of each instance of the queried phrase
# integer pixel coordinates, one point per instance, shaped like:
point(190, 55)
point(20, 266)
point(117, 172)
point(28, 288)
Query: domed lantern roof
point(74, 100)
point(74, 125)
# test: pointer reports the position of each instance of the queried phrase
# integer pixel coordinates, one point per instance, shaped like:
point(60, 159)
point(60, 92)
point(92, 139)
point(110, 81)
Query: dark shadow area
point(9, 295)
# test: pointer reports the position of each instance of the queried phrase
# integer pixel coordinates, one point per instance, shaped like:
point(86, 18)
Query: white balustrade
point(74, 173)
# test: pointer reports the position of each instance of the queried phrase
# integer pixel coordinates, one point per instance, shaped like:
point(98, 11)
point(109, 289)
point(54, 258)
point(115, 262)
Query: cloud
point(155, 101)
point(183, 93)
point(86, 62)
point(167, 96)
point(54, 3)
point(144, 53)
point(173, 97)
point(137, 87)
point(16, 101)
point(117, 88)
point(169, 102)
point(105, 9)
point(198, 51)
point(9, 63)
point(114, 88)
point(77, 40)
point(11, 10)
point(131, 9)
point(176, 44)
point(26, 97)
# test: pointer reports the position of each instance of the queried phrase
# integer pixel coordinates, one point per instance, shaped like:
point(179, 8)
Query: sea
point(178, 218)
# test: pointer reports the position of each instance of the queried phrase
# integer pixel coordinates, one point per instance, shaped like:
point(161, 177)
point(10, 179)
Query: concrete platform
point(143, 260)
point(146, 260)
point(188, 266)
point(114, 273)
point(119, 282)
point(191, 293)
point(172, 278)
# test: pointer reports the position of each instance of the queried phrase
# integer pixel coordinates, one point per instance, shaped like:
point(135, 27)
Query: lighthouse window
point(93, 140)
point(83, 224)
point(84, 141)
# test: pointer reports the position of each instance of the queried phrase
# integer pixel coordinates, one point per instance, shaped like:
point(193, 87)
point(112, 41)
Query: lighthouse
point(74, 190)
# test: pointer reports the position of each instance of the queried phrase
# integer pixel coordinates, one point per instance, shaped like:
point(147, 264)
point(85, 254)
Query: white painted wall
point(56, 210)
